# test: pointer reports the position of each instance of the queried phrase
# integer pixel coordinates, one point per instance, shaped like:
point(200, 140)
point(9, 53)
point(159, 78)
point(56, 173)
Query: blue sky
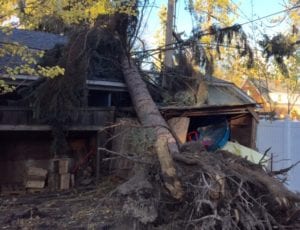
point(248, 10)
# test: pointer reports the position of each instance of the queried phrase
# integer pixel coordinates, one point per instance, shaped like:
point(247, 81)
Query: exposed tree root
point(222, 191)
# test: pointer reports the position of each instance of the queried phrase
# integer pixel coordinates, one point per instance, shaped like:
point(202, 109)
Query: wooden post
point(168, 41)
point(101, 138)
point(98, 158)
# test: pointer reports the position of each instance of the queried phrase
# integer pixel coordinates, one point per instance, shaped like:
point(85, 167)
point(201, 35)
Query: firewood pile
point(35, 179)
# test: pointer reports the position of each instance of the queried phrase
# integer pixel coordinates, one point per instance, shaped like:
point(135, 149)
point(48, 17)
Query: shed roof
point(222, 92)
point(224, 98)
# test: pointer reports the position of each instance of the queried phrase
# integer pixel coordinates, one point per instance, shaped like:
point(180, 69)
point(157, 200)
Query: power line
point(202, 33)
point(270, 15)
point(146, 22)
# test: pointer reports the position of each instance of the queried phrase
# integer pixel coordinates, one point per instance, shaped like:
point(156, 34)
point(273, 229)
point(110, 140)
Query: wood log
point(35, 171)
point(35, 184)
point(65, 181)
point(63, 166)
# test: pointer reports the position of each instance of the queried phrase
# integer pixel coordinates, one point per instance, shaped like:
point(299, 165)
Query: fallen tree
point(149, 115)
point(178, 188)
point(221, 191)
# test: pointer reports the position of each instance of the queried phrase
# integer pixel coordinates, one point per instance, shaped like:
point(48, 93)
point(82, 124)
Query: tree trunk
point(149, 115)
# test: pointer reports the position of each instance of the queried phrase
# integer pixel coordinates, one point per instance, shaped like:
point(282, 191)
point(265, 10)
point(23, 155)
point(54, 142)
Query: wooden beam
point(253, 132)
point(180, 126)
point(254, 114)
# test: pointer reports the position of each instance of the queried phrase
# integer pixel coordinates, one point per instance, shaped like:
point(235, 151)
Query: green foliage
point(4, 88)
point(279, 47)
point(60, 16)
point(29, 60)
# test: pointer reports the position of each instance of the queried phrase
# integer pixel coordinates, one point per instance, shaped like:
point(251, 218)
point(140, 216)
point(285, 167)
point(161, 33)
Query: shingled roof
point(32, 39)
point(37, 41)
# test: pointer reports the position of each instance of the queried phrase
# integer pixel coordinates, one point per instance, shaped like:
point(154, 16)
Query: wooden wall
point(243, 130)
point(84, 116)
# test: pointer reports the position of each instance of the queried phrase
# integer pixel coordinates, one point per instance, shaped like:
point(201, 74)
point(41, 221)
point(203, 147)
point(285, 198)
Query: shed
point(225, 99)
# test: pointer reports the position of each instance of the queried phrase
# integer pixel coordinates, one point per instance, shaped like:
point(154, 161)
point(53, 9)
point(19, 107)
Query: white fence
point(283, 136)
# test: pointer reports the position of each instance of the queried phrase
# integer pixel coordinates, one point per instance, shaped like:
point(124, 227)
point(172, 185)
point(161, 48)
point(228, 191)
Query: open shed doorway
point(242, 127)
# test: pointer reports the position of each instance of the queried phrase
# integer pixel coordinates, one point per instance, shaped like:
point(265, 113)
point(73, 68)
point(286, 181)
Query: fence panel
point(283, 136)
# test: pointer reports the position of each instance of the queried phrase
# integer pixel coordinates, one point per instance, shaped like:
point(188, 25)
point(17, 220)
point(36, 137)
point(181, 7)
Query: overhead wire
point(245, 16)
point(270, 15)
point(147, 19)
point(205, 33)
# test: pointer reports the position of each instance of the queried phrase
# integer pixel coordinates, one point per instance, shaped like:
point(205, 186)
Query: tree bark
point(149, 115)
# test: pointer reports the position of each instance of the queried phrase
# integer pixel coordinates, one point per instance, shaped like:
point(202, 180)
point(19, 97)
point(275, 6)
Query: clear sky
point(248, 10)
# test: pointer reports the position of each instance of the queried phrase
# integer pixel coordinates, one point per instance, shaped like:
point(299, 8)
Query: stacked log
point(64, 175)
point(35, 178)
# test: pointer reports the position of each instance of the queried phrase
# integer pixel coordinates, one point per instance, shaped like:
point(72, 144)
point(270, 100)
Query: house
point(274, 96)
point(26, 142)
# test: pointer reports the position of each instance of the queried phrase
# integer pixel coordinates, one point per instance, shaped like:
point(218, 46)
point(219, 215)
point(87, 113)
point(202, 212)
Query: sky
point(248, 10)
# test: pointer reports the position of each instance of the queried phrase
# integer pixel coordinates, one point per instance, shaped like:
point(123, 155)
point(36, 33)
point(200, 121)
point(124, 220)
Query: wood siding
point(19, 116)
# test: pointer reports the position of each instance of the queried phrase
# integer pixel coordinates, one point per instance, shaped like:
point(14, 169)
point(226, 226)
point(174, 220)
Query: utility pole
point(169, 35)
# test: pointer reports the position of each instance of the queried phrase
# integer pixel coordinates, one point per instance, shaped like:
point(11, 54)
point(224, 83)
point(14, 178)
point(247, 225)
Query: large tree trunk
point(149, 115)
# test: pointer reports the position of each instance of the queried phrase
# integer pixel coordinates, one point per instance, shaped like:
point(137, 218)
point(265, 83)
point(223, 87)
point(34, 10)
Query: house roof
point(266, 86)
point(220, 92)
point(42, 41)
point(35, 40)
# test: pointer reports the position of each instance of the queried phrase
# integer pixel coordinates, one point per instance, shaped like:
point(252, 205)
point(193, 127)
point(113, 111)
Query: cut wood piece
point(63, 166)
point(34, 177)
point(180, 126)
point(35, 171)
point(35, 184)
point(65, 181)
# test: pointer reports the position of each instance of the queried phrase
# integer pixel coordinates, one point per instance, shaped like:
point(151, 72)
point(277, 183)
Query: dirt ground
point(222, 191)
point(74, 209)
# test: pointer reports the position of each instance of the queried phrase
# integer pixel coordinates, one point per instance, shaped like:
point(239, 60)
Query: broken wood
point(180, 126)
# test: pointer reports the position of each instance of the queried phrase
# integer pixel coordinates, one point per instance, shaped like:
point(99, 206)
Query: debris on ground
point(222, 191)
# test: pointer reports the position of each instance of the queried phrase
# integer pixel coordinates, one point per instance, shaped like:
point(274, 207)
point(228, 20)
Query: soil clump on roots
point(222, 191)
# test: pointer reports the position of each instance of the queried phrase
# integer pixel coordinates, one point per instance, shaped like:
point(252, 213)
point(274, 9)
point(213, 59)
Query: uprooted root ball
point(222, 191)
